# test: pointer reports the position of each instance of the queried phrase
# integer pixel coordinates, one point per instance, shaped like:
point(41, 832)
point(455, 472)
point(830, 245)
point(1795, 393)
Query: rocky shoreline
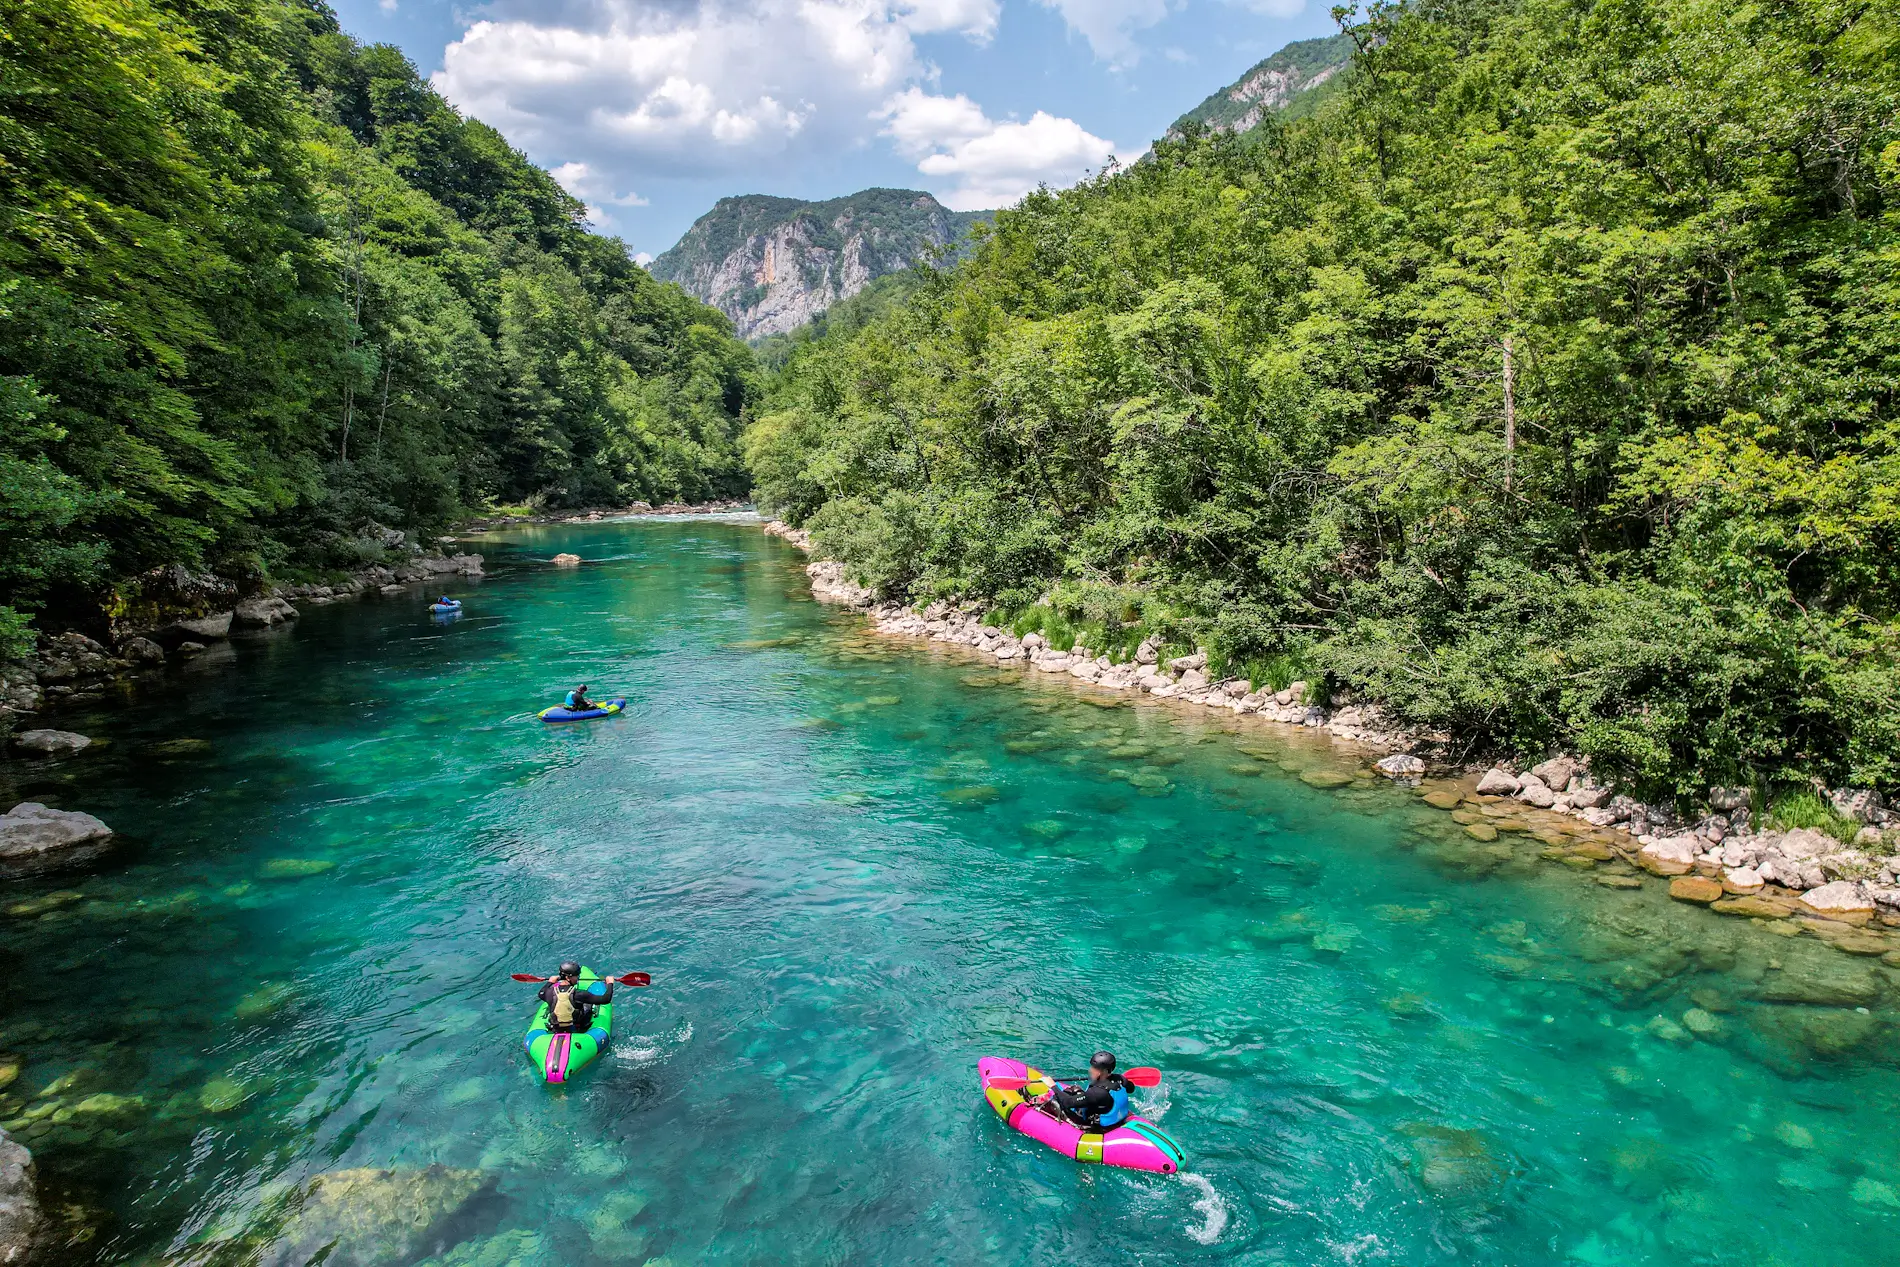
point(1844, 892)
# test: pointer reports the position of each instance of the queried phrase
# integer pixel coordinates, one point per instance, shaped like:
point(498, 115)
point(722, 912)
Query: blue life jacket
point(1120, 1113)
point(572, 705)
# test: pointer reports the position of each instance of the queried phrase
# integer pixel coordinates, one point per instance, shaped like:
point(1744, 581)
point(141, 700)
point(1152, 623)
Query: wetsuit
point(586, 998)
point(1095, 1106)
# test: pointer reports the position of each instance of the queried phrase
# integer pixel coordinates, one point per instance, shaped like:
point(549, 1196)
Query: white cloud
point(693, 86)
point(1109, 25)
point(1273, 8)
point(387, 6)
point(977, 163)
point(596, 190)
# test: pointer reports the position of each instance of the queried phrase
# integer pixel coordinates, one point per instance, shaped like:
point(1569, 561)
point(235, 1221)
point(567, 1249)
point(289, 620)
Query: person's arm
point(606, 995)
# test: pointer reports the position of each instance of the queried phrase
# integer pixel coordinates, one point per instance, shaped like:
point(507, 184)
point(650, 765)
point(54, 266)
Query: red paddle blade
point(526, 976)
point(1142, 1076)
point(1008, 1084)
point(635, 978)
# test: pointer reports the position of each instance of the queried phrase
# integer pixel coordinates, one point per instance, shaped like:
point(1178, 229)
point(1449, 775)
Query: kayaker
point(444, 601)
point(577, 701)
point(570, 1008)
point(1099, 1105)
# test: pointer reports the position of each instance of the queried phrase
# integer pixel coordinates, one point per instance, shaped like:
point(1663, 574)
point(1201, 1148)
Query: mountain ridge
point(773, 263)
point(1290, 82)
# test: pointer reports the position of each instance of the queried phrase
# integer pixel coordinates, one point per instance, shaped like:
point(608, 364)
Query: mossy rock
point(295, 868)
point(44, 903)
point(1442, 799)
point(178, 748)
point(882, 701)
point(979, 794)
point(1481, 831)
point(222, 1094)
point(1325, 779)
point(377, 1218)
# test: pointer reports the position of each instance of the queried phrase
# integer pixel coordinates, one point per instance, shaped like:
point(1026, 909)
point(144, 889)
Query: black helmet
point(570, 969)
point(1103, 1060)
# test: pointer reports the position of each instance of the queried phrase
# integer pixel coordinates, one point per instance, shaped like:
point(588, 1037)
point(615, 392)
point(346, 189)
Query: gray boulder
point(34, 838)
point(142, 651)
point(1534, 791)
point(1557, 772)
point(1806, 842)
point(1730, 799)
point(262, 613)
point(1400, 765)
point(19, 1205)
point(53, 743)
point(1497, 782)
point(202, 629)
point(1181, 664)
point(1863, 805)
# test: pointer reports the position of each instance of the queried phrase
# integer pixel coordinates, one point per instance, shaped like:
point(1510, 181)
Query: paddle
point(631, 978)
point(1140, 1076)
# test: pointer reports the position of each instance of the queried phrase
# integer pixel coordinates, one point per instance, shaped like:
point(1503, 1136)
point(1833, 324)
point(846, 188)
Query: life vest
point(573, 703)
point(1120, 1112)
point(562, 1011)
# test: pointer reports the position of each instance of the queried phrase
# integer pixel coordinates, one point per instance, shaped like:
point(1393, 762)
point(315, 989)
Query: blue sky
point(652, 110)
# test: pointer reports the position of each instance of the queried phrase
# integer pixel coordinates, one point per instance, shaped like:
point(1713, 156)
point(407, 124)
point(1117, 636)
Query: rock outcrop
point(1290, 82)
point(34, 838)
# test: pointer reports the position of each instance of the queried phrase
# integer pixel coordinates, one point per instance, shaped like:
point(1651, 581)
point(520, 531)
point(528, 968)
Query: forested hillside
point(263, 291)
point(1542, 386)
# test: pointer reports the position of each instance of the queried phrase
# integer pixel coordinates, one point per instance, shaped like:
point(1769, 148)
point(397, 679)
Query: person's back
point(570, 1004)
point(577, 701)
point(1101, 1103)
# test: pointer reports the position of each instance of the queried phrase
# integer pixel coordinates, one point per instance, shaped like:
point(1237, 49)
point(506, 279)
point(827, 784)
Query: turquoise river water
point(854, 865)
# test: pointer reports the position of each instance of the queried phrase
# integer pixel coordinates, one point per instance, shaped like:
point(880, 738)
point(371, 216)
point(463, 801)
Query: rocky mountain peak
point(772, 264)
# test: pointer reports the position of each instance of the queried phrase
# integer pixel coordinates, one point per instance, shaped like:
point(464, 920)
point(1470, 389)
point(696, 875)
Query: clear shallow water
point(854, 866)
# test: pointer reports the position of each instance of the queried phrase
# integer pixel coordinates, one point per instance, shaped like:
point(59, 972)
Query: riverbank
point(1846, 893)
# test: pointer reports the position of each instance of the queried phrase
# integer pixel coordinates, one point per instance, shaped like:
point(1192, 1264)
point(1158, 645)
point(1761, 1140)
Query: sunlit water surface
point(853, 866)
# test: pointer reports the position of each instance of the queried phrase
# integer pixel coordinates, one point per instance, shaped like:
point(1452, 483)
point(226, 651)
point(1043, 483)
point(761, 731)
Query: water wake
point(1210, 1206)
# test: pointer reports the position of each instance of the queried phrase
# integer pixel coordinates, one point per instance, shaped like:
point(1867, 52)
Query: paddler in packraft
point(1098, 1105)
point(577, 701)
point(570, 1008)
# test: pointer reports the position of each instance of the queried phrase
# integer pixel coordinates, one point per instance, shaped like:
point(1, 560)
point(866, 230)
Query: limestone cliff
point(772, 264)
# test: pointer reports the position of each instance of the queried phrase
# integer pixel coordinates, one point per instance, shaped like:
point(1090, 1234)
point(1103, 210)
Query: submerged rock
point(52, 743)
point(34, 838)
point(1695, 888)
point(376, 1218)
point(567, 560)
point(1454, 1164)
point(19, 1204)
point(1841, 900)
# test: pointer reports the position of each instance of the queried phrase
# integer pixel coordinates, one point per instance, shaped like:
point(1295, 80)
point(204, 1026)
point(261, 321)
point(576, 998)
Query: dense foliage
point(1257, 393)
point(262, 291)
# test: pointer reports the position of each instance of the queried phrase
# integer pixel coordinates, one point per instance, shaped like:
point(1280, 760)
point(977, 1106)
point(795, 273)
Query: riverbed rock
point(1756, 907)
point(567, 560)
point(1841, 900)
point(1807, 842)
point(34, 838)
point(262, 613)
point(1400, 765)
point(1695, 888)
point(19, 1203)
point(52, 743)
point(377, 1218)
point(1454, 1164)
point(1497, 782)
point(1742, 881)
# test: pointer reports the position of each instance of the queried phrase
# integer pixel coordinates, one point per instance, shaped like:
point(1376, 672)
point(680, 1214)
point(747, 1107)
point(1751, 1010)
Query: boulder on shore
point(52, 743)
point(372, 1218)
point(1841, 900)
point(142, 651)
point(1557, 772)
point(19, 1205)
point(34, 838)
point(203, 629)
point(1400, 765)
point(262, 613)
point(1534, 791)
point(1674, 855)
point(1497, 782)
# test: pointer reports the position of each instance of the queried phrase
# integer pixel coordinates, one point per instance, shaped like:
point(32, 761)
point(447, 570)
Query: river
point(852, 866)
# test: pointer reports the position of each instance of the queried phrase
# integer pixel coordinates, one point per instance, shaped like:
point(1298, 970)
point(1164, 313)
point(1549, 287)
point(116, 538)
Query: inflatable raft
point(559, 1056)
point(443, 609)
point(559, 713)
point(1136, 1144)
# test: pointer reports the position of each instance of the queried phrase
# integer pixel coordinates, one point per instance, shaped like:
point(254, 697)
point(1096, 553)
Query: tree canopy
point(262, 290)
point(1541, 386)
